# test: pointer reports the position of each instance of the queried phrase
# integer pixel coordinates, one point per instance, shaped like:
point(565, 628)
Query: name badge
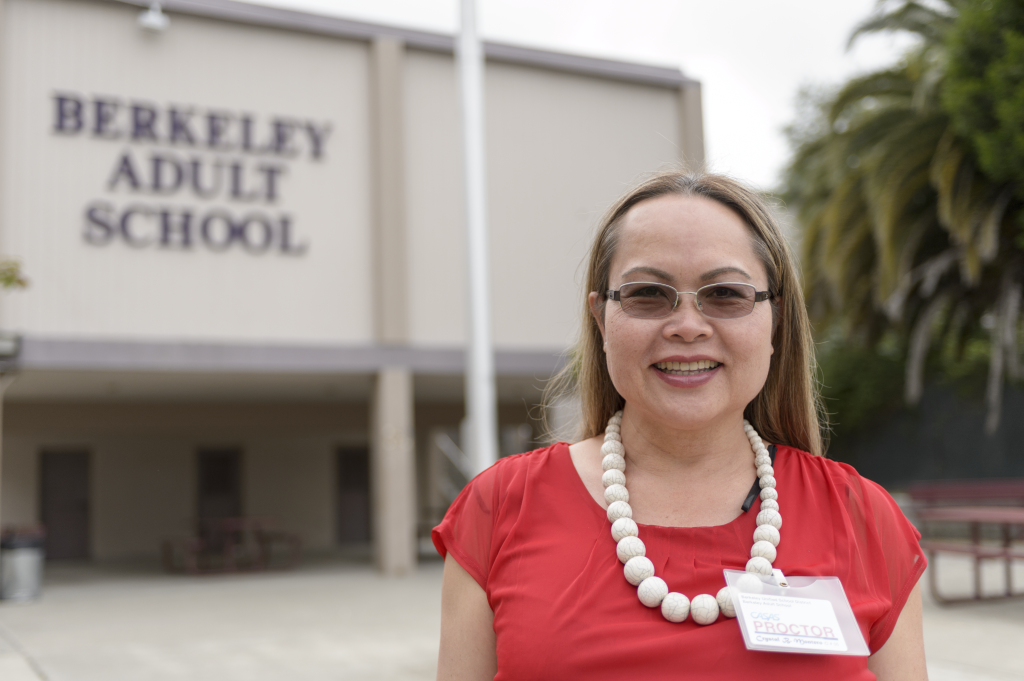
point(795, 614)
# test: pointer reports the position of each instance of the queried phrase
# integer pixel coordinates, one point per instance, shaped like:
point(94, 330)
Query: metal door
point(220, 484)
point(353, 495)
point(64, 503)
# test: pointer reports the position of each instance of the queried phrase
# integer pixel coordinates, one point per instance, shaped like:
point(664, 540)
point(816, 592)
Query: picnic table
point(230, 545)
point(1007, 517)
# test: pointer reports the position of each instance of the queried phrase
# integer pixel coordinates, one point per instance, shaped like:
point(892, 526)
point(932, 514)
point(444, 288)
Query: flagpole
point(481, 407)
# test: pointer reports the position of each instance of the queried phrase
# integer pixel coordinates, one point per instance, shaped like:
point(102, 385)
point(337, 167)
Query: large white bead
point(750, 584)
point(620, 509)
point(675, 607)
point(609, 437)
point(616, 418)
point(770, 503)
point(616, 493)
point(613, 476)
point(704, 609)
point(760, 566)
point(630, 547)
point(766, 517)
point(767, 481)
point(724, 598)
point(769, 493)
point(613, 447)
point(765, 549)
point(767, 533)
point(613, 462)
point(765, 470)
point(652, 591)
point(637, 569)
point(762, 460)
point(612, 428)
point(625, 527)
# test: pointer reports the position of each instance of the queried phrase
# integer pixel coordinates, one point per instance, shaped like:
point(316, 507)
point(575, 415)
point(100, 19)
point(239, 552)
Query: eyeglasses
point(650, 300)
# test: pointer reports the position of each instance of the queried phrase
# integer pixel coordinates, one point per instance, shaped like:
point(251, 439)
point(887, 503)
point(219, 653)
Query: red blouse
point(538, 544)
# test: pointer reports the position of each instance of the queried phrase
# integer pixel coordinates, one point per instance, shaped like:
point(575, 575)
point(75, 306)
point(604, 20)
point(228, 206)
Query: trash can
point(21, 563)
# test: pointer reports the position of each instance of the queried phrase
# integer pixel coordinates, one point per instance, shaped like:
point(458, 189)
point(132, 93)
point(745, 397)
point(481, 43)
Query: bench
point(999, 491)
point(230, 545)
point(934, 502)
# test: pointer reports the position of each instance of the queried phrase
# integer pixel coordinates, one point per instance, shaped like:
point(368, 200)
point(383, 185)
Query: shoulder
point(506, 480)
point(480, 518)
point(511, 468)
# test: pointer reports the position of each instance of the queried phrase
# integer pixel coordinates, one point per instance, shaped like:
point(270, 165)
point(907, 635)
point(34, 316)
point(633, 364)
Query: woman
point(694, 322)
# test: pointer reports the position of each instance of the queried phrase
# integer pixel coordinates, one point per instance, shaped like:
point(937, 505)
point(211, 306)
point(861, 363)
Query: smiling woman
point(695, 346)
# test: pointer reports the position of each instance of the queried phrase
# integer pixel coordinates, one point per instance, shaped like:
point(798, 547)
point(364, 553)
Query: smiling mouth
point(687, 368)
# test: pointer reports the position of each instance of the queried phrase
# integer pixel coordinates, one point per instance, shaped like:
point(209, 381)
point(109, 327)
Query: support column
point(691, 126)
point(5, 382)
point(393, 467)
point(393, 455)
point(391, 316)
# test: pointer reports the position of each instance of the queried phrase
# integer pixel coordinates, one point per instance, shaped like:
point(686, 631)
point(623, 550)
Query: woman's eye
point(723, 292)
point(648, 292)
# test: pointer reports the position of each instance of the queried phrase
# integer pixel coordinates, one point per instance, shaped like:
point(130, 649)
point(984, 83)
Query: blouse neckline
point(561, 449)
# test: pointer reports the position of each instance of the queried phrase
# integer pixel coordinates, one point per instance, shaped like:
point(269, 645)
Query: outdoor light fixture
point(154, 19)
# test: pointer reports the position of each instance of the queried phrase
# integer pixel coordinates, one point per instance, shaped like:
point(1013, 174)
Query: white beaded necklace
point(639, 570)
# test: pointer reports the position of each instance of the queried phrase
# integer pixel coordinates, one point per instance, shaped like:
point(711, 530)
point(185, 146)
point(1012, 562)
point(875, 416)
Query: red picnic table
point(1007, 517)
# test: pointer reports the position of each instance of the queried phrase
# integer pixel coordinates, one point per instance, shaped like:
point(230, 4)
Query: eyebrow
point(723, 270)
point(662, 274)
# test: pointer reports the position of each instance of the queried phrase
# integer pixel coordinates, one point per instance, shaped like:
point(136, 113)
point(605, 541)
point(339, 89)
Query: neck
point(706, 450)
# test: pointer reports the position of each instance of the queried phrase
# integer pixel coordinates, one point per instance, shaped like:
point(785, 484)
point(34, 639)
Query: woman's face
point(686, 242)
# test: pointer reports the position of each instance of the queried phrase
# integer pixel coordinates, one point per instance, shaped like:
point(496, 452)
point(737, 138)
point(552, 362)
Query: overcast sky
point(751, 56)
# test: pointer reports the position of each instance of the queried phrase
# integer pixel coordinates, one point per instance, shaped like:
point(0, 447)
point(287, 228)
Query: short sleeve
point(887, 553)
point(479, 519)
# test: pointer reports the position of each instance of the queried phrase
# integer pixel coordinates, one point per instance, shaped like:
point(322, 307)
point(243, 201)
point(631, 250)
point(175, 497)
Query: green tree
point(984, 88)
point(11, 276)
point(904, 236)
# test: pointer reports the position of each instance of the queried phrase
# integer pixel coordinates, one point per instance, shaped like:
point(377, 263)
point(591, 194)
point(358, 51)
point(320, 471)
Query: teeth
point(702, 365)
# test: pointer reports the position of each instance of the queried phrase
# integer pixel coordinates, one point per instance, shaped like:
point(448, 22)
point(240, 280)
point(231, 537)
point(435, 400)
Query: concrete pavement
point(335, 620)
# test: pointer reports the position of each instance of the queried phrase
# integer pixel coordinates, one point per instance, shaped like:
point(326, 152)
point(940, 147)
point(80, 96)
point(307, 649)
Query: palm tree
point(901, 230)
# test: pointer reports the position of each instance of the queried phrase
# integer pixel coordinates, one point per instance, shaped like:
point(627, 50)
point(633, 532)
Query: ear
point(597, 306)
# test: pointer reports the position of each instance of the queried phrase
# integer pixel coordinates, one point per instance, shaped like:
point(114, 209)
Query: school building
point(245, 246)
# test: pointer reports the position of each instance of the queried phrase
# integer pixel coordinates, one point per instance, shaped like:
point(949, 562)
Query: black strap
point(756, 489)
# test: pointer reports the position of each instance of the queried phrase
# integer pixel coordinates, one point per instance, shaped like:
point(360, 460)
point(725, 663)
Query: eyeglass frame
point(759, 297)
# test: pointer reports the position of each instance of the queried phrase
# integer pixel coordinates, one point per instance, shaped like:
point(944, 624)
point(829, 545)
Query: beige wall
point(143, 464)
point(47, 180)
point(560, 147)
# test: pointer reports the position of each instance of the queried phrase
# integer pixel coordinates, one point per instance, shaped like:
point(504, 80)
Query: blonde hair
point(786, 410)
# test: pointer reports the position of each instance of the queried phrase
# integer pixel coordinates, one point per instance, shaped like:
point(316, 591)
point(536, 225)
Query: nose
point(687, 321)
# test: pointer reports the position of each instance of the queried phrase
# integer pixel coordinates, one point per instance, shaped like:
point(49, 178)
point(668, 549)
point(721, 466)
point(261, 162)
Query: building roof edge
point(263, 15)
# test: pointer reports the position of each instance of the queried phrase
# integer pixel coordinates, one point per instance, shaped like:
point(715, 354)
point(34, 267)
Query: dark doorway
point(64, 501)
point(353, 495)
point(220, 484)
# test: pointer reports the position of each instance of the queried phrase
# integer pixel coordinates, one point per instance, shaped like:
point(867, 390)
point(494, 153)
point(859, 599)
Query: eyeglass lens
point(650, 301)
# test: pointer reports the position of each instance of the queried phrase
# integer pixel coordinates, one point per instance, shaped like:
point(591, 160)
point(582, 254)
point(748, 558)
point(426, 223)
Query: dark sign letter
point(124, 169)
point(180, 132)
point(69, 114)
point(143, 122)
point(105, 110)
point(317, 137)
point(99, 224)
point(159, 163)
